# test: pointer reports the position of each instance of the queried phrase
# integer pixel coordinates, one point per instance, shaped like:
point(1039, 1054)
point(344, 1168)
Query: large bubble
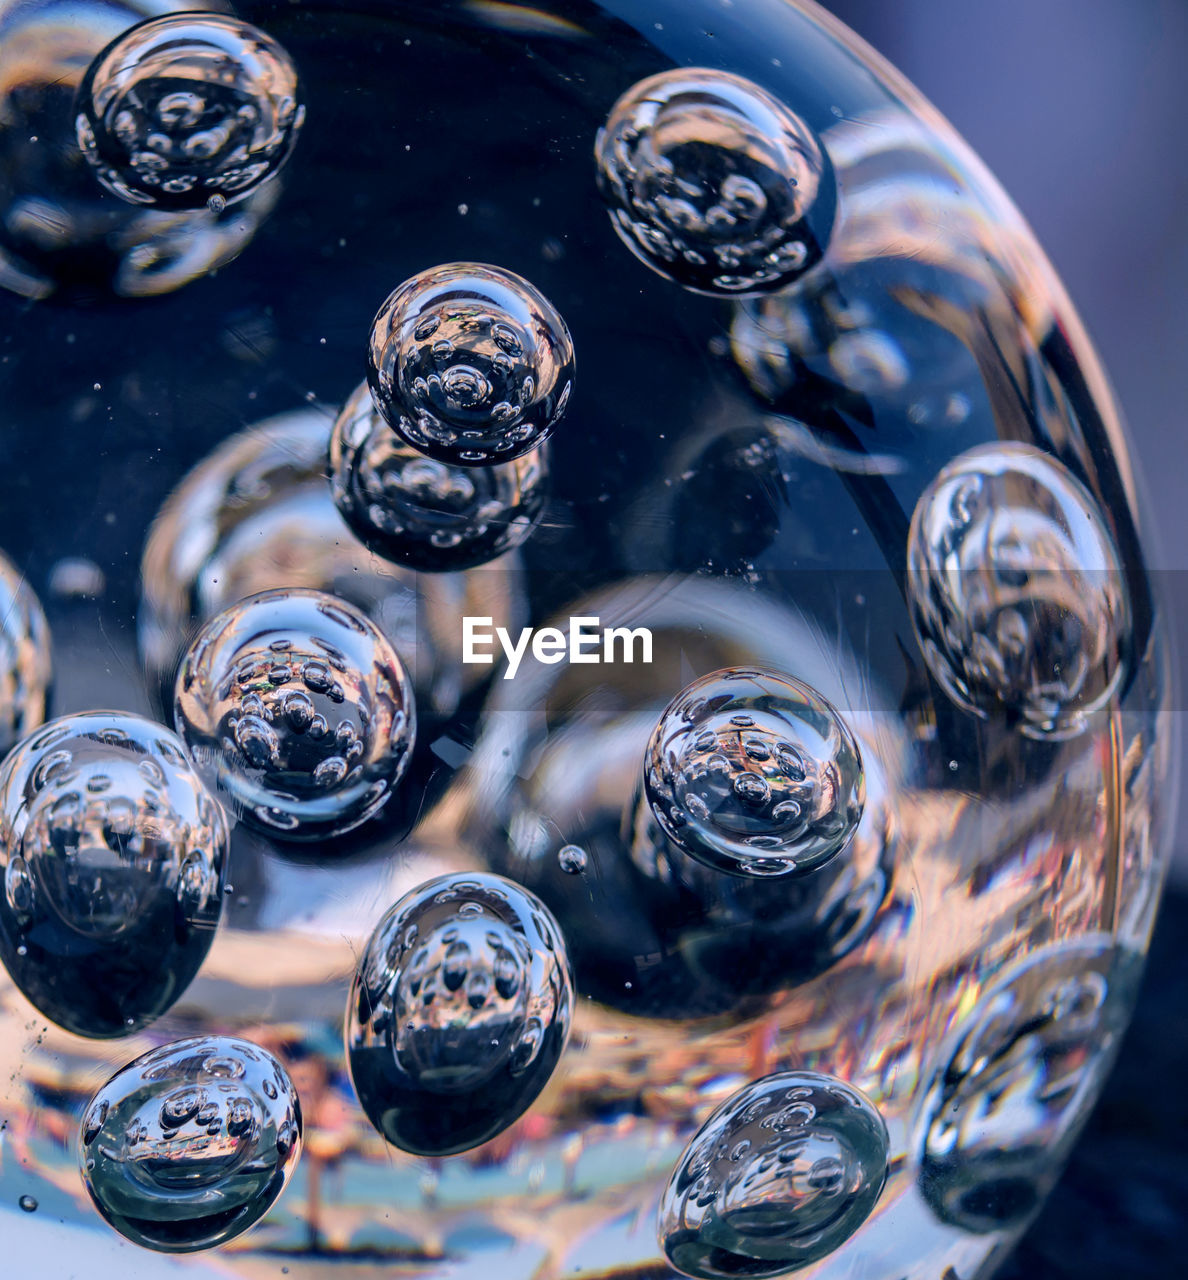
point(459, 1013)
point(1017, 592)
point(470, 364)
point(299, 710)
point(190, 1144)
point(114, 858)
point(714, 182)
point(754, 773)
point(776, 1178)
point(188, 109)
point(60, 230)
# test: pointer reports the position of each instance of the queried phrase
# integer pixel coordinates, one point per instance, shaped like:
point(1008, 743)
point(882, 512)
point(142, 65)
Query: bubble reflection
point(422, 512)
point(25, 665)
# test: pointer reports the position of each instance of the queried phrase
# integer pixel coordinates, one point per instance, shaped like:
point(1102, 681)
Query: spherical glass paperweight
point(764, 881)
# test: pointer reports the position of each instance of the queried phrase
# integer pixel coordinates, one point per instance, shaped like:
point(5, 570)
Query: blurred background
point(1079, 107)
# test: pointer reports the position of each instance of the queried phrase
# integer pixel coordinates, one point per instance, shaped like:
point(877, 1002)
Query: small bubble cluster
point(1017, 593)
point(113, 856)
point(25, 665)
point(188, 110)
point(423, 512)
point(459, 1013)
point(754, 773)
point(714, 183)
point(299, 709)
point(777, 1178)
point(190, 1144)
point(469, 364)
point(1004, 1104)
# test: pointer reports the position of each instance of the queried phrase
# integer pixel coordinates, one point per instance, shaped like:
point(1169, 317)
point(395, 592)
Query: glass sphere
point(773, 463)
point(190, 1144)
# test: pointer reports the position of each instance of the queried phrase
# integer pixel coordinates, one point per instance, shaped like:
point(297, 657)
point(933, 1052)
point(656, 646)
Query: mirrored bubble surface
point(189, 1145)
point(114, 856)
point(459, 1013)
point(188, 109)
point(25, 663)
point(420, 511)
point(299, 710)
point(754, 773)
point(1017, 592)
point(777, 1178)
point(1006, 1104)
point(470, 364)
point(714, 182)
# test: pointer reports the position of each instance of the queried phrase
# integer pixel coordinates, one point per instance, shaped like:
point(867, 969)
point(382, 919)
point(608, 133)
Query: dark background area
point(1078, 107)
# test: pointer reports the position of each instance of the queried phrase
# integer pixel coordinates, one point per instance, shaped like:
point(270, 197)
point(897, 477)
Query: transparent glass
point(738, 470)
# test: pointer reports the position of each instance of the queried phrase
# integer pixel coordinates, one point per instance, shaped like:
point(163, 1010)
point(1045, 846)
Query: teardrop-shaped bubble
point(470, 364)
point(459, 1013)
point(754, 773)
point(1018, 597)
point(423, 512)
point(777, 1178)
point(25, 660)
point(187, 109)
point(189, 1145)
point(113, 856)
point(715, 183)
point(297, 708)
point(1008, 1091)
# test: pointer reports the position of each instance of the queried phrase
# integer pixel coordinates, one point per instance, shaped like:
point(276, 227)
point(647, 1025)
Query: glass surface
point(872, 464)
